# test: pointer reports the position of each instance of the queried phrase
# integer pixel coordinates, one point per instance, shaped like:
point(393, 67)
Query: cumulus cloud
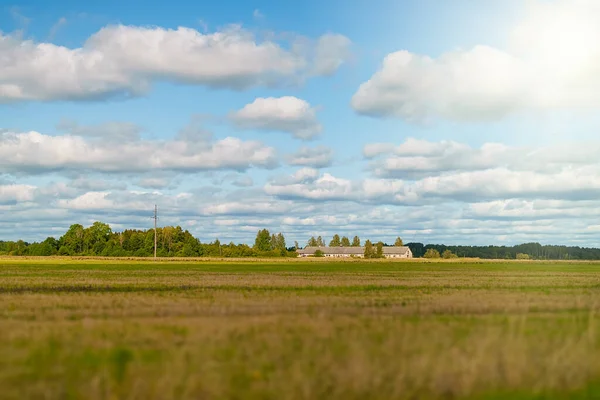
point(421, 172)
point(13, 193)
point(332, 50)
point(115, 130)
point(35, 153)
point(125, 60)
point(551, 63)
point(279, 114)
point(421, 158)
point(316, 157)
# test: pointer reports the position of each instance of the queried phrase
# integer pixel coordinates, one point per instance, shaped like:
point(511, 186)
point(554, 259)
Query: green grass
point(107, 329)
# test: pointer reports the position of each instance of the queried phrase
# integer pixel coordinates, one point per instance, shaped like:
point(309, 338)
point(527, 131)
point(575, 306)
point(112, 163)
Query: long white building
point(343, 252)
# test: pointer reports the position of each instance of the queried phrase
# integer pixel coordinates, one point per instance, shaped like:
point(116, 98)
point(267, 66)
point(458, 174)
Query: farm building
point(342, 252)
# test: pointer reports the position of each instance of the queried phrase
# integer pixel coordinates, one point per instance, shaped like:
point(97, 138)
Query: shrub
point(449, 254)
point(432, 253)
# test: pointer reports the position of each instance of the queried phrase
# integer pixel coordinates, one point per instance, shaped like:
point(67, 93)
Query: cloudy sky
point(459, 122)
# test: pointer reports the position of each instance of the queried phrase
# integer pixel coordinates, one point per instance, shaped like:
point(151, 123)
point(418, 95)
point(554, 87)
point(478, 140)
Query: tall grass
point(130, 330)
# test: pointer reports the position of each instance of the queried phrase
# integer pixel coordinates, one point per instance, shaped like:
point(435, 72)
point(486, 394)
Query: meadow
point(119, 329)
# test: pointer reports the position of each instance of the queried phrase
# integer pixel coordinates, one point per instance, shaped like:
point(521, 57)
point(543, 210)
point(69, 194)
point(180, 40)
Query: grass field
point(101, 329)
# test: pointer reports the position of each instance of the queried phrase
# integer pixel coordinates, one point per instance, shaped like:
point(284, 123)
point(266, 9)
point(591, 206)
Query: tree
point(368, 249)
point(398, 242)
point(356, 241)
point(522, 256)
point(73, 239)
point(319, 253)
point(379, 253)
point(262, 241)
point(312, 242)
point(345, 242)
point(296, 245)
point(432, 253)
point(335, 241)
point(280, 243)
point(448, 254)
point(320, 242)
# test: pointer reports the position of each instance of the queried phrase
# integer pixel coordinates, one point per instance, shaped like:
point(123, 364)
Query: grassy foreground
point(103, 329)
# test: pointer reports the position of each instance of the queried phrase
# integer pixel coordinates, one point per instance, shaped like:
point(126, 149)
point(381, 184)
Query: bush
point(448, 254)
point(523, 256)
point(432, 253)
point(319, 253)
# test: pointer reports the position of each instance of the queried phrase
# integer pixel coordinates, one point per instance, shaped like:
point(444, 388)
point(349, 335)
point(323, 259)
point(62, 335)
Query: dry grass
point(280, 330)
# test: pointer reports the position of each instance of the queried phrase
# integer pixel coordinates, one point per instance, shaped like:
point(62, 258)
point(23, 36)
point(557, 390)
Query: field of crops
point(101, 329)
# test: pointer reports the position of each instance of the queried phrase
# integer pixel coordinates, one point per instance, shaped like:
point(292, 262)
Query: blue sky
point(458, 122)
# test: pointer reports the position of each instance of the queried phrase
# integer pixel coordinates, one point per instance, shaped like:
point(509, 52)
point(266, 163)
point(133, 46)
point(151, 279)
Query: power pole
point(155, 237)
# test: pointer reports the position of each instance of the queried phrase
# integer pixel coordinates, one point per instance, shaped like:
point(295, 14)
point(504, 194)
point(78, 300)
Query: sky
point(455, 122)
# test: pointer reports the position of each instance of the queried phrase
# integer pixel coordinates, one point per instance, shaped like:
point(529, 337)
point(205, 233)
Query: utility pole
point(155, 237)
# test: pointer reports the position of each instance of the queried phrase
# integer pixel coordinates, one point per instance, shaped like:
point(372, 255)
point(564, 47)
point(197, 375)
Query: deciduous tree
point(263, 240)
point(369, 251)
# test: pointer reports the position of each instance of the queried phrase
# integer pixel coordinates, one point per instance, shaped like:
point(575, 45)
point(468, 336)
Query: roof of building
point(310, 250)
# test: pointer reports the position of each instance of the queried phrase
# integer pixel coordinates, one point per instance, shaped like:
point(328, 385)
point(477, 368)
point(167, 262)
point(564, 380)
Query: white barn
point(346, 252)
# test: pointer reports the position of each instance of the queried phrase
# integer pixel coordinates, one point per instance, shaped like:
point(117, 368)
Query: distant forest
point(99, 240)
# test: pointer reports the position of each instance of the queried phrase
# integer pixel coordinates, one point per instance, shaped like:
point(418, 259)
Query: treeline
point(100, 240)
point(534, 251)
point(344, 241)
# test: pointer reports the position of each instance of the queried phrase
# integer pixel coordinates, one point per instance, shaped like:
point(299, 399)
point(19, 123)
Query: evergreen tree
point(345, 242)
point(335, 241)
point(320, 242)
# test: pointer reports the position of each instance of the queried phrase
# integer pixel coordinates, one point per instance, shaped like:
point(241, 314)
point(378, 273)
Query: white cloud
point(305, 175)
point(326, 187)
point(420, 158)
point(283, 114)
point(458, 186)
point(331, 52)
point(316, 157)
point(552, 63)
point(16, 193)
point(88, 201)
point(114, 130)
point(126, 60)
point(33, 152)
point(257, 14)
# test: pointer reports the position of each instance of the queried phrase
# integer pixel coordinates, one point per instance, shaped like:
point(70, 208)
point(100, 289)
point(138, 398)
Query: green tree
point(335, 241)
point(345, 242)
point(369, 251)
point(379, 253)
point(320, 242)
point(398, 242)
point(356, 241)
point(448, 254)
point(263, 241)
point(73, 239)
point(312, 242)
point(432, 253)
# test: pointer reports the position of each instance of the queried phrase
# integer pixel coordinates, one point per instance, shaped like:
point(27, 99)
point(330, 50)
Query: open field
point(108, 329)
